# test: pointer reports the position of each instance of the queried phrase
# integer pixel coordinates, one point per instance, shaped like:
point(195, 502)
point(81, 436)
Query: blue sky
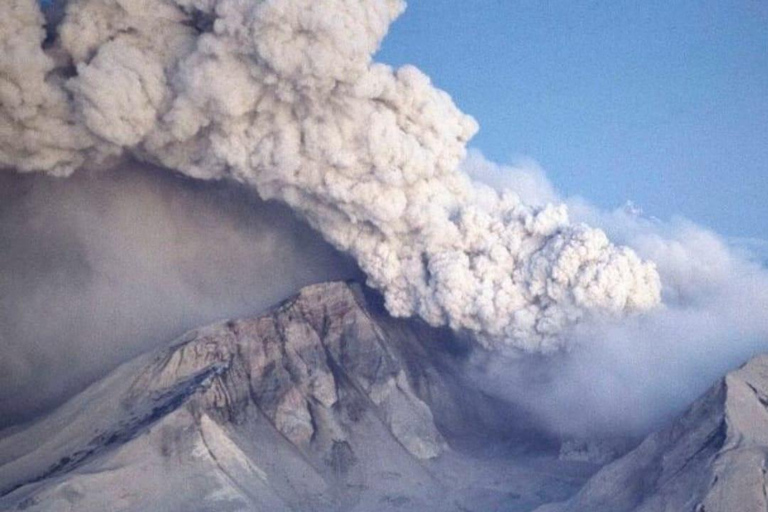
point(661, 103)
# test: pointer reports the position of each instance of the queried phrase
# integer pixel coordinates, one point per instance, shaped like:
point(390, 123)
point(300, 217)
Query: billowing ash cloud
point(626, 377)
point(105, 265)
point(283, 96)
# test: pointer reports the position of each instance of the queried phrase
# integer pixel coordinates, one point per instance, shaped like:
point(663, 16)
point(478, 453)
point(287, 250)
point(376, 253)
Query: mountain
point(325, 403)
point(711, 459)
point(322, 403)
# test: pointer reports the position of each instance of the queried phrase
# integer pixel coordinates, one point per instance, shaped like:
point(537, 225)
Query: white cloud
point(627, 376)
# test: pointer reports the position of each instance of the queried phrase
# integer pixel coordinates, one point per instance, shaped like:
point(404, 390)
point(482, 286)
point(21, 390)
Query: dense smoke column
point(283, 96)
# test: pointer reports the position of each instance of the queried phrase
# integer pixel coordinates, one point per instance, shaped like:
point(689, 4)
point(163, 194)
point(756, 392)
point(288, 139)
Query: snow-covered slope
point(712, 459)
point(320, 404)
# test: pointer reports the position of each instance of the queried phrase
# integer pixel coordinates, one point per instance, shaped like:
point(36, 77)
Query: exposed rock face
point(712, 459)
point(310, 366)
point(324, 403)
point(316, 370)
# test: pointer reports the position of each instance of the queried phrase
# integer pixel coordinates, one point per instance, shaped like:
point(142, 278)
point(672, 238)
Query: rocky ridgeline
point(711, 459)
point(311, 366)
point(323, 403)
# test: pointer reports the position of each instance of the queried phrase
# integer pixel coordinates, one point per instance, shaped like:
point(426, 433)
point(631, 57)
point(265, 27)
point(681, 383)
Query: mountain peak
point(746, 402)
point(321, 403)
point(711, 459)
point(315, 371)
point(326, 403)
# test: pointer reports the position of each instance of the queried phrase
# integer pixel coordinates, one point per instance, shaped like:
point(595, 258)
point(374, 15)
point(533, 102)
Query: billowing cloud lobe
point(284, 97)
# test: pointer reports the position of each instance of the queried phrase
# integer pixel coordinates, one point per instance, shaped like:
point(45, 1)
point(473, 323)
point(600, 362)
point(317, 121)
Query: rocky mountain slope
point(711, 459)
point(323, 403)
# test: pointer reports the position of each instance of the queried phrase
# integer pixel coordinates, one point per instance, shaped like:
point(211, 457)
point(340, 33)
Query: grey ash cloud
point(102, 266)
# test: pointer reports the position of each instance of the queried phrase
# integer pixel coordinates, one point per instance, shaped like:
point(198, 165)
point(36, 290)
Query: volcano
point(322, 403)
point(326, 403)
point(711, 459)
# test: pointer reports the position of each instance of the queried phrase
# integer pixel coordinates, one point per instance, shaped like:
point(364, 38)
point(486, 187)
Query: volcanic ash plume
point(283, 95)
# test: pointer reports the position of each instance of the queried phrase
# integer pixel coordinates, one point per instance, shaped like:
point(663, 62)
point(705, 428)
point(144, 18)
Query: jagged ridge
point(323, 403)
point(711, 459)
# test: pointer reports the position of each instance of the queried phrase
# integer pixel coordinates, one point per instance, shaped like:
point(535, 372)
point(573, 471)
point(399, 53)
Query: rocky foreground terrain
point(325, 403)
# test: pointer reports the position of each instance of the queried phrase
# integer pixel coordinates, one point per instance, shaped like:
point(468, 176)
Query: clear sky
point(661, 103)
